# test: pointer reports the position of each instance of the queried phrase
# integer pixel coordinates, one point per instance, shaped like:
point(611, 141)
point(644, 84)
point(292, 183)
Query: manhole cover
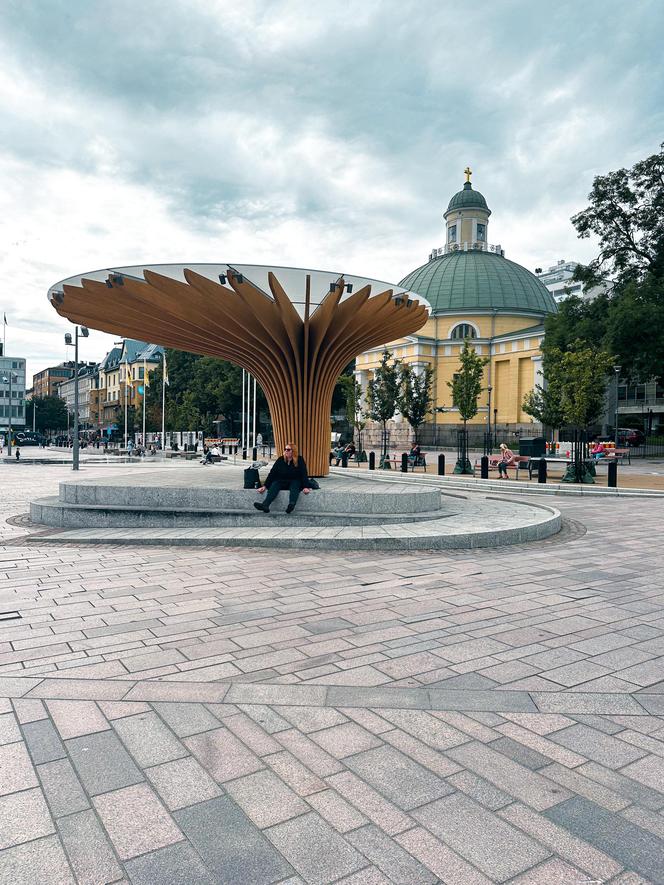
point(23, 521)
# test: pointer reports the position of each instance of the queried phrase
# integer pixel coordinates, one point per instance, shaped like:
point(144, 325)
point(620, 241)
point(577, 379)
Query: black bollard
point(612, 481)
point(254, 454)
point(372, 460)
point(331, 456)
point(404, 463)
point(344, 459)
point(441, 465)
point(541, 470)
point(484, 467)
point(244, 454)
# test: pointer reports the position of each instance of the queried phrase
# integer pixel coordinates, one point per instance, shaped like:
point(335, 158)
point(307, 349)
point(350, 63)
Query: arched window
point(463, 331)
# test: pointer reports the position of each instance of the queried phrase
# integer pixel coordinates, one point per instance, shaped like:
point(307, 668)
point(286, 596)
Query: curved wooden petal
point(296, 361)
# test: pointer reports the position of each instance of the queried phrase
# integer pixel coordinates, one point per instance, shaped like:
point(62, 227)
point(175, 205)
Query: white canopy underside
point(292, 279)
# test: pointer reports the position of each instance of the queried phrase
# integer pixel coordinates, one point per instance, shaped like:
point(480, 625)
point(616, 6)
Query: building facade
point(46, 382)
point(559, 280)
point(88, 377)
point(121, 379)
point(12, 394)
point(475, 293)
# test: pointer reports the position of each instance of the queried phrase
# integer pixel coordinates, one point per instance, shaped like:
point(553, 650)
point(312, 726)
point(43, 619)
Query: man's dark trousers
point(294, 487)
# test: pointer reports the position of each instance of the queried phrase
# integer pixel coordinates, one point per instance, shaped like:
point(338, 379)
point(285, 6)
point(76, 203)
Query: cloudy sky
point(327, 134)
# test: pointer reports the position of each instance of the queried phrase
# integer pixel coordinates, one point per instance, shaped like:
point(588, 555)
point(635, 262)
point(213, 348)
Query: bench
point(518, 461)
point(620, 455)
point(396, 460)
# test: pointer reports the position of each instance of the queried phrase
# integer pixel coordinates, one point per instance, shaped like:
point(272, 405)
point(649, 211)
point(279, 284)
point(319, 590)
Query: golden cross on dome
point(468, 173)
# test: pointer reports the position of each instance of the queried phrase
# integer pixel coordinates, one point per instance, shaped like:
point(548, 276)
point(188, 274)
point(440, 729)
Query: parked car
point(630, 436)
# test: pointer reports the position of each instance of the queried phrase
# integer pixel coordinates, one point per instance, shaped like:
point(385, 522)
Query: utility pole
point(84, 332)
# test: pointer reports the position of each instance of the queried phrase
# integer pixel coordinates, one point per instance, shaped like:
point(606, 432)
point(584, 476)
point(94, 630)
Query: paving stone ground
point(200, 715)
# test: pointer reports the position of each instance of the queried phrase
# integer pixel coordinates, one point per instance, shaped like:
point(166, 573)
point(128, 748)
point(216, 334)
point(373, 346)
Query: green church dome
point(468, 199)
point(477, 280)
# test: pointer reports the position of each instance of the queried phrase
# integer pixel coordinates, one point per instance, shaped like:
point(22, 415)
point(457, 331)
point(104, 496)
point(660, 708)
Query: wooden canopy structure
point(295, 359)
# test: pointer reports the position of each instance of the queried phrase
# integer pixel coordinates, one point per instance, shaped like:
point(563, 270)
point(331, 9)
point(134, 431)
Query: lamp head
point(84, 331)
point(68, 339)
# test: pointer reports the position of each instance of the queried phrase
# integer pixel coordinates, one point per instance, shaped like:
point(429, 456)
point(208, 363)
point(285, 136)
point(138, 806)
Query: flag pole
point(163, 405)
point(145, 395)
point(4, 334)
point(125, 403)
point(244, 373)
point(253, 444)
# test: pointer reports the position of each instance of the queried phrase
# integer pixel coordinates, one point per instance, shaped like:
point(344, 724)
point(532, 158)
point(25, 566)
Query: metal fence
point(652, 448)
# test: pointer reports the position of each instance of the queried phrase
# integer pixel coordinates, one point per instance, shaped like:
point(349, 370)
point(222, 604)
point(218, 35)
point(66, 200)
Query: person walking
point(506, 458)
point(288, 473)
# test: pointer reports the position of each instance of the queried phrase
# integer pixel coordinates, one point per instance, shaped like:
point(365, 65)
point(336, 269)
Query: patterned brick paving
point(215, 715)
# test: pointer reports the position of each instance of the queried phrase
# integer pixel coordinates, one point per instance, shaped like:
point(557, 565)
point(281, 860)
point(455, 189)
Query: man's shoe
point(260, 506)
point(290, 508)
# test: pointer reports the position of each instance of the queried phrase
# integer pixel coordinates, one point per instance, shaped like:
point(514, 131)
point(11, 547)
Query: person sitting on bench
point(348, 451)
point(289, 473)
point(506, 458)
point(414, 455)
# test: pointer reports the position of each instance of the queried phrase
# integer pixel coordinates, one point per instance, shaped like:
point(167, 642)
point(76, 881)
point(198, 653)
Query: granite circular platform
point(206, 505)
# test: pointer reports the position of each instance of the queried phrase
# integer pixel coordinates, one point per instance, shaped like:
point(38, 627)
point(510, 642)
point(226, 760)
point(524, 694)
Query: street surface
point(201, 715)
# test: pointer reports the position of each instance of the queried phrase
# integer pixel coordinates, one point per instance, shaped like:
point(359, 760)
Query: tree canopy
point(466, 385)
point(626, 214)
point(415, 395)
point(50, 413)
point(383, 392)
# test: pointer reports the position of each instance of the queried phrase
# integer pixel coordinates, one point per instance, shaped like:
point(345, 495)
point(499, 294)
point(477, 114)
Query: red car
point(630, 436)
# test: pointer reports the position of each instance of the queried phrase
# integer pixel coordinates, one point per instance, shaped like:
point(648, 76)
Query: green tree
point(626, 214)
point(580, 374)
point(355, 413)
point(383, 395)
point(466, 387)
point(544, 405)
point(415, 395)
point(51, 413)
point(201, 391)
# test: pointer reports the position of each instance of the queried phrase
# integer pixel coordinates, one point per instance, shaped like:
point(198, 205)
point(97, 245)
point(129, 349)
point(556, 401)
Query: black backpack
point(252, 478)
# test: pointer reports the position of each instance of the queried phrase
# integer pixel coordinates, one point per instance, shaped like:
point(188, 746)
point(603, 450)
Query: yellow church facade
point(475, 293)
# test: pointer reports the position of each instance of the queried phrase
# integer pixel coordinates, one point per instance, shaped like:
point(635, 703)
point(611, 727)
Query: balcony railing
point(477, 246)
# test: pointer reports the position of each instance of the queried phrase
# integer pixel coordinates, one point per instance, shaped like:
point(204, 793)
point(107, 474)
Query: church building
point(475, 292)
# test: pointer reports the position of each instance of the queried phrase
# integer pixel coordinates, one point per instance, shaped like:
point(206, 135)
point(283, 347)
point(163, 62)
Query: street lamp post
point(488, 418)
point(11, 377)
point(616, 369)
point(84, 334)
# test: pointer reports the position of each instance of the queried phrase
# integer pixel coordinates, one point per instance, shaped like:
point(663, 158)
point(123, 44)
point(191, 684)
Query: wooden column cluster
point(296, 360)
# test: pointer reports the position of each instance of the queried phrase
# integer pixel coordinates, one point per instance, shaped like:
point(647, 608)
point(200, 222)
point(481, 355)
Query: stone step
point(52, 511)
point(527, 523)
point(222, 490)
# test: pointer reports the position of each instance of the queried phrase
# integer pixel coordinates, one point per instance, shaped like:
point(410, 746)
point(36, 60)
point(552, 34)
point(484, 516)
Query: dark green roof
point(468, 199)
point(479, 281)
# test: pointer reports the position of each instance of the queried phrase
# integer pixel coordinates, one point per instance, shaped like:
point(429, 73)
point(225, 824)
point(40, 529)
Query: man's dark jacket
point(283, 472)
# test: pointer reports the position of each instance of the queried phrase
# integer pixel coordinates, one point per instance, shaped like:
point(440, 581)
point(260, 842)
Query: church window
point(451, 234)
point(463, 331)
point(481, 232)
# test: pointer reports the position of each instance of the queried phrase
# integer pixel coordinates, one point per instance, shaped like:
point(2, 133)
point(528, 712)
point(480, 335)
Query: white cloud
point(322, 135)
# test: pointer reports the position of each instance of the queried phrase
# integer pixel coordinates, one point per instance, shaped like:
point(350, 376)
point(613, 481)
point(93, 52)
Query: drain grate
point(10, 616)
